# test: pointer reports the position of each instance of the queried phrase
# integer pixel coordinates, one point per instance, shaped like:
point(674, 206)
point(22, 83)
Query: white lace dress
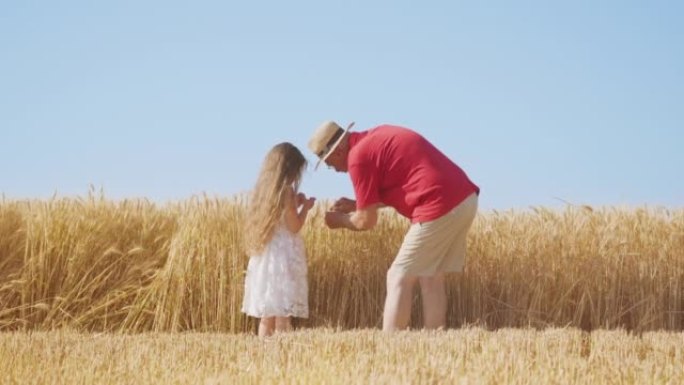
point(276, 282)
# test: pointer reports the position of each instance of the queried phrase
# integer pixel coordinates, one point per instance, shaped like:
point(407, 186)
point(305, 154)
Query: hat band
point(331, 142)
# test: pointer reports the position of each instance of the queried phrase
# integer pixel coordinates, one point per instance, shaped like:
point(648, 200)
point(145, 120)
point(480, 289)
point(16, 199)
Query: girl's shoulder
point(289, 191)
point(289, 195)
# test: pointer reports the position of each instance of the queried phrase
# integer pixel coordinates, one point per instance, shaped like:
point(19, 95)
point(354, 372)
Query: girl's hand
point(299, 199)
point(304, 202)
point(344, 205)
point(308, 203)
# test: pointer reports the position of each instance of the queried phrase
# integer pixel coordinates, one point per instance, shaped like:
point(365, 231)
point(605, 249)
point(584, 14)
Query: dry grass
point(92, 264)
point(465, 356)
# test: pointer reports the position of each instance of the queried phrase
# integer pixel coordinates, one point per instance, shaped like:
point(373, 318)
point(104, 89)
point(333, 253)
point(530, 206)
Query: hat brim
point(333, 147)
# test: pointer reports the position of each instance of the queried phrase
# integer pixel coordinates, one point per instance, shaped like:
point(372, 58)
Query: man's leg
point(433, 293)
point(398, 301)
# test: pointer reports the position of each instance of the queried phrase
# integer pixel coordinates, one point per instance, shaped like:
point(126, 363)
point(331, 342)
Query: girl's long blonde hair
point(282, 167)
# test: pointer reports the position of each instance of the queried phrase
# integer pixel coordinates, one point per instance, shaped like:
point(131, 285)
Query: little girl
point(276, 284)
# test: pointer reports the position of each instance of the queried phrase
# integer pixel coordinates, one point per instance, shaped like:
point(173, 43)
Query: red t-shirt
point(398, 167)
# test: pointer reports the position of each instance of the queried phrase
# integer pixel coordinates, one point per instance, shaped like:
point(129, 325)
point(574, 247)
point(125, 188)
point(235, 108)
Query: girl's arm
point(295, 220)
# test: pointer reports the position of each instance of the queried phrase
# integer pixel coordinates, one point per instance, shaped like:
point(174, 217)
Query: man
point(394, 166)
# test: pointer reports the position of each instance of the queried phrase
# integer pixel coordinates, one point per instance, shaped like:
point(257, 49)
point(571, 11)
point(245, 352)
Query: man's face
point(337, 160)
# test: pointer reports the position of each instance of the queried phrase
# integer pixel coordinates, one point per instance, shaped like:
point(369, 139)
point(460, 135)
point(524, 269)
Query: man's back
point(400, 168)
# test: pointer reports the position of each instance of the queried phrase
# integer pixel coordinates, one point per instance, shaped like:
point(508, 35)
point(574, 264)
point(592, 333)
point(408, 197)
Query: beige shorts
point(437, 246)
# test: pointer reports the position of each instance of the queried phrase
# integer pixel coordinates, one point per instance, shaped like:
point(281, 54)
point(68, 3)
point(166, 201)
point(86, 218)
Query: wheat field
point(93, 264)
point(94, 290)
point(327, 356)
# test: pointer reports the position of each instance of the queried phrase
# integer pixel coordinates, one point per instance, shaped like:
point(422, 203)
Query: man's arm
point(359, 220)
point(347, 205)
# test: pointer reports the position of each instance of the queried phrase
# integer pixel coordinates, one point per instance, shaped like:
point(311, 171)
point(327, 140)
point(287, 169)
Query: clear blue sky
point(539, 101)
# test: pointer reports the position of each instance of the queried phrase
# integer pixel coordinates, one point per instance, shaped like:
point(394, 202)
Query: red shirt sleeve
point(366, 180)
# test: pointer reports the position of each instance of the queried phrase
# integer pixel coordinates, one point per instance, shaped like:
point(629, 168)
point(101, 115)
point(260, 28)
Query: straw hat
point(325, 139)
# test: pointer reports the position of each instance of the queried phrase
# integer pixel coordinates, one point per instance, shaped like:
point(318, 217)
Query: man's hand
point(335, 219)
point(359, 220)
point(344, 205)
